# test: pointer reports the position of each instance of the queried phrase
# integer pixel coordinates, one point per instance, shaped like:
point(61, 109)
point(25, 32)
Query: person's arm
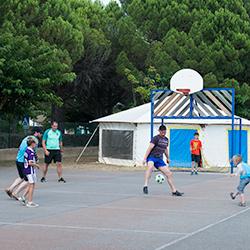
point(45, 136)
point(150, 147)
point(33, 164)
point(191, 147)
point(238, 171)
point(60, 142)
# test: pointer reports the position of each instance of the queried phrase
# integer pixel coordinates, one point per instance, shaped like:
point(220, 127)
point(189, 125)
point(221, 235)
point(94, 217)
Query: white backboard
point(186, 79)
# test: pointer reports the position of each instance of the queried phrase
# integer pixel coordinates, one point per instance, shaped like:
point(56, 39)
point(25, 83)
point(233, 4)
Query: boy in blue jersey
point(154, 158)
point(20, 183)
point(30, 165)
point(243, 170)
point(53, 147)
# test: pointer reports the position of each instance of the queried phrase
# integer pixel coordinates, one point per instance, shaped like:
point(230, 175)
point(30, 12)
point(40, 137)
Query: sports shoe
point(145, 190)
point(31, 204)
point(22, 200)
point(232, 196)
point(196, 173)
point(8, 193)
point(61, 180)
point(43, 179)
point(192, 173)
point(177, 193)
point(242, 204)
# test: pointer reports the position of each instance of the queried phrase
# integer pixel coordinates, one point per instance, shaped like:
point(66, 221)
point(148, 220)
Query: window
point(117, 144)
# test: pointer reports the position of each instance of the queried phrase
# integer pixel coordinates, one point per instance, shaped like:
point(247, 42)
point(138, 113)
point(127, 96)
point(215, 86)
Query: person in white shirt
point(243, 171)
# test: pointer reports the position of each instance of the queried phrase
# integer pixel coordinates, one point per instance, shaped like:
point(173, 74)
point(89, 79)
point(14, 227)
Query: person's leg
point(20, 188)
point(193, 164)
point(16, 182)
point(149, 170)
point(45, 170)
point(242, 199)
point(192, 169)
point(240, 191)
point(196, 167)
point(30, 192)
point(169, 175)
point(59, 169)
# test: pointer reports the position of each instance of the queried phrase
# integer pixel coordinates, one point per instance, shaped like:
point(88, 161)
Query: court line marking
point(201, 230)
point(167, 196)
point(89, 228)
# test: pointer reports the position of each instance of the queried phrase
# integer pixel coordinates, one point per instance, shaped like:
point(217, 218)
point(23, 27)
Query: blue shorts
point(242, 185)
point(158, 162)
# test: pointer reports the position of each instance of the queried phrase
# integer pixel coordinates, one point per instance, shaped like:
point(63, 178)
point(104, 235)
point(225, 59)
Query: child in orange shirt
point(195, 149)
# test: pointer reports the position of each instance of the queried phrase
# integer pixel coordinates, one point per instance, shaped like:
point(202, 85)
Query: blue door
point(236, 148)
point(180, 147)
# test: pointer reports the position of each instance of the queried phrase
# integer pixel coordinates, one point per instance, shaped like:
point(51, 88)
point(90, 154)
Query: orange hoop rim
point(184, 91)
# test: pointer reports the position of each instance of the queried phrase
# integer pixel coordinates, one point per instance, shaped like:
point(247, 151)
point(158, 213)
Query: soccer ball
point(159, 178)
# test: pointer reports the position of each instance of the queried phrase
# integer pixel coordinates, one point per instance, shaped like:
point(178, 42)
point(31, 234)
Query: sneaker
point(61, 180)
point(232, 196)
point(177, 193)
point(22, 200)
point(242, 204)
point(145, 190)
point(8, 193)
point(43, 179)
point(196, 173)
point(31, 204)
point(192, 173)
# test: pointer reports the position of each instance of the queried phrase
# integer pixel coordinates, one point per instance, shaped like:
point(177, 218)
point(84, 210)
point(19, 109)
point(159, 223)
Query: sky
point(107, 1)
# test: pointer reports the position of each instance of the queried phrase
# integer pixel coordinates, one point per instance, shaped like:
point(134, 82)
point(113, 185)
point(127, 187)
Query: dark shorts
point(242, 185)
point(54, 155)
point(196, 158)
point(20, 169)
point(158, 162)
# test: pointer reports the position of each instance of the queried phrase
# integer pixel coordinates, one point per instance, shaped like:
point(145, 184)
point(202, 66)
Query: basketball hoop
point(186, 82)
point(184, 91)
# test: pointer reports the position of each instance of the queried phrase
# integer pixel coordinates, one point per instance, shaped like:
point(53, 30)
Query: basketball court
point(107, 210)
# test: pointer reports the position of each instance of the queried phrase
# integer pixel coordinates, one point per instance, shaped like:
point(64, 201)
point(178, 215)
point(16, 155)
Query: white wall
point(215, 145)
point(214, 139)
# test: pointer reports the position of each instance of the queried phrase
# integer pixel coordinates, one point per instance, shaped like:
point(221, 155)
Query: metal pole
point(78, 158)
point(240, 136)
point(152, 114)
point(233, 118)
point(191, 105)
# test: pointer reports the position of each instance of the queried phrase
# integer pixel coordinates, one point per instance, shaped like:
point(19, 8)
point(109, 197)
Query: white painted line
point(167, 196)
point(89, 228)
point(201, 230)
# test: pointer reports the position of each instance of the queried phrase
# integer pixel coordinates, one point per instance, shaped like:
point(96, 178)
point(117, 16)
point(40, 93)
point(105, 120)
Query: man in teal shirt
point(52, 146)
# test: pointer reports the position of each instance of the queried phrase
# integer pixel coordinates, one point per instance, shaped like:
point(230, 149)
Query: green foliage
point(91, 60)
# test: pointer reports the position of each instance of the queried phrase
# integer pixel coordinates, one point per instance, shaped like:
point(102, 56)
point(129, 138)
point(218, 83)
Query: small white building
point(125, 136)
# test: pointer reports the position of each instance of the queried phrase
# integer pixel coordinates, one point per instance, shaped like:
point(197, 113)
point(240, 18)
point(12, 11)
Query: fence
point(74, 134)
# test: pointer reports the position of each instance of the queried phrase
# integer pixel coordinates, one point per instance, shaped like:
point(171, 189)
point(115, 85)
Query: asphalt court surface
point(107, 210)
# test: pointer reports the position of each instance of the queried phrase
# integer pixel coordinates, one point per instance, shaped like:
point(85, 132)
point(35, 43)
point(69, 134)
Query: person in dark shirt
point(154, 158)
